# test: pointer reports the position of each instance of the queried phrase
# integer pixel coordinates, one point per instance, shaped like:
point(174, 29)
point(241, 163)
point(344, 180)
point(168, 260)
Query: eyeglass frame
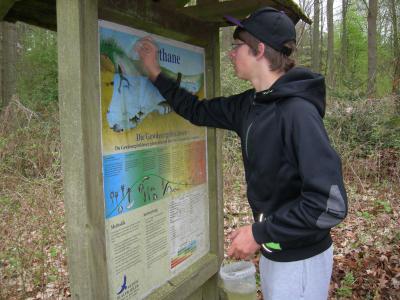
point(236, 46)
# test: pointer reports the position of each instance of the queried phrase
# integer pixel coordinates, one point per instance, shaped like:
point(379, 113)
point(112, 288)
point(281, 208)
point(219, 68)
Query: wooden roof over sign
point(42, 13)
point(214, 11)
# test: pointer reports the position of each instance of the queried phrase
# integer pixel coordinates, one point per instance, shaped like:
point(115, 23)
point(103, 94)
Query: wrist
point(154, 74)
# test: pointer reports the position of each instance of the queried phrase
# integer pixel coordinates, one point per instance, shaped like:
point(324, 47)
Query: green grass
point(346, 290)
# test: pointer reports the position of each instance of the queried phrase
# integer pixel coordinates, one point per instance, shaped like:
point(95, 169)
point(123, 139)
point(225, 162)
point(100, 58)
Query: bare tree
point(302, 33)
point(372, 47)
point(8, 59)
point(321, 37)
point(330, 49)
point(396, 50)
point(343, 50)
point(315, 57)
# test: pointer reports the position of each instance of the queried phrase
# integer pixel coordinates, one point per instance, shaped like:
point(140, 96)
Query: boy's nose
point(231, 54)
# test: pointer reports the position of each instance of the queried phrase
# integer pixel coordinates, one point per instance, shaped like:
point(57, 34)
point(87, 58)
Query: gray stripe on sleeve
point(335, 210)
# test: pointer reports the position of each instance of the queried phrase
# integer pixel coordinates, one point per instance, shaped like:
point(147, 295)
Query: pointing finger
point(233, 234)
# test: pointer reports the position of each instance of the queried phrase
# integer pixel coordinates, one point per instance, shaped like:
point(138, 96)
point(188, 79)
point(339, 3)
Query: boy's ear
point(260, 50)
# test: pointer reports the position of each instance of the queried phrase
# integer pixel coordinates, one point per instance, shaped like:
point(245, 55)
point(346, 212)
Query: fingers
point(236, 253)
point(148, 38)
point(230, 251)
point(233, 250)
point(147, 52)
point(145, 45)
point(233, 234)
point(243, 245)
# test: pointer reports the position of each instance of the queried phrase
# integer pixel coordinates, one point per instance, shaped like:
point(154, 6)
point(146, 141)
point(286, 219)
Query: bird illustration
point(123, 286)
point(122, 78)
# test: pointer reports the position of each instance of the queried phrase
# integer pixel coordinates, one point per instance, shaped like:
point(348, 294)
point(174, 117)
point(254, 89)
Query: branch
point(366, 4)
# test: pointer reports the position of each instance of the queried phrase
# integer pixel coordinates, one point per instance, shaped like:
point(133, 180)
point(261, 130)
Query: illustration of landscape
point(138, 171)
point(133, 96)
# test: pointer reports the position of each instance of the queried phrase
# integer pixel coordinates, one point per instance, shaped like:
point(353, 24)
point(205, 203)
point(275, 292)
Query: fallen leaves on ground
point(32, 236)
point(366, 244)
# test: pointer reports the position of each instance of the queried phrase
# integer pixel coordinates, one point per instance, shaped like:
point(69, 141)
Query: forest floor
point(33, 263)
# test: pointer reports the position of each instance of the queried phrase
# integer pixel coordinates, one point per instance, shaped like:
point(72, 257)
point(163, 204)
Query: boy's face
point(242, 59)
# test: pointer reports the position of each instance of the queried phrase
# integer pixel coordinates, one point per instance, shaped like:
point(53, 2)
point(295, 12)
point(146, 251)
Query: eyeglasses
point(236, 46)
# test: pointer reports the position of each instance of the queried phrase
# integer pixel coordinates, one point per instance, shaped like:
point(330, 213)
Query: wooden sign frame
point(79, 90)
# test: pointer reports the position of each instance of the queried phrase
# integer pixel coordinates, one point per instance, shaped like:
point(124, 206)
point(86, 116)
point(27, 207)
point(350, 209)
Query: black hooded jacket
point(293, 174)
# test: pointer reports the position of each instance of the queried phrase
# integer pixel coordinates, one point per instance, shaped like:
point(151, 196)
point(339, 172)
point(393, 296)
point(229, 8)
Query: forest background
point(355, 44)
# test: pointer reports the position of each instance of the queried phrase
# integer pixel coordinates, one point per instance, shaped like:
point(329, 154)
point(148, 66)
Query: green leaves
point(345, 289)
point(383, 206)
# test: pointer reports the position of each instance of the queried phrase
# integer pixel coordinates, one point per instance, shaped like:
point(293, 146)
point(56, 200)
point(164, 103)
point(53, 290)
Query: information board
point(154, 165)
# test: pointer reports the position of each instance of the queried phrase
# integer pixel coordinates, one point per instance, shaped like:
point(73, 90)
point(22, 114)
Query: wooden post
point(78, 64)
point(215, 137)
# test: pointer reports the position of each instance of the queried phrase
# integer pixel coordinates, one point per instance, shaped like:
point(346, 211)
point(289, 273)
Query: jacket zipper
point(253, 103)
point(247, 136)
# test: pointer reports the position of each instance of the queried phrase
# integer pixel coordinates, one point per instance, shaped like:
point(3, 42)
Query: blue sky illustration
point(191, 62)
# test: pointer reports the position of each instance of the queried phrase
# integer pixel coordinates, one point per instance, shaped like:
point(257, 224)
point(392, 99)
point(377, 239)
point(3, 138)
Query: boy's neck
point(265, 79)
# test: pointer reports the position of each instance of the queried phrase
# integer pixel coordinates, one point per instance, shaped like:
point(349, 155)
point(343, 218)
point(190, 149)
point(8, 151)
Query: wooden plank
point(151, 17)
point(40, 13)
point(210, 289)
point(5, 6)
point(188, 281)
point(172, 3)
point(79, 97)
point(215, 176)
point(293, 10)
point(214, 12)
point(197, 295)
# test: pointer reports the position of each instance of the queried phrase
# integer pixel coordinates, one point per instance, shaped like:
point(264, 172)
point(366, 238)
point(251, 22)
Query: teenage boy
point(294, 181)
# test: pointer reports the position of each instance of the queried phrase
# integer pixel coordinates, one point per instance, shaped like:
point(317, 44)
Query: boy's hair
point(278, 61)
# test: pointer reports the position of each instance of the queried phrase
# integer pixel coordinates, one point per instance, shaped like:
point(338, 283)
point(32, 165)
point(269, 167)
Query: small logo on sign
point(123, 286)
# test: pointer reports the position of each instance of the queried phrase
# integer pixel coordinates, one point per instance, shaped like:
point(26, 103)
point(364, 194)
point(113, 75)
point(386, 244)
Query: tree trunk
point(396, 51)
point(343, 49)
point(8, 59)
point(315, 61)
point(372, 47)
point(330, 46)
point(321, 37)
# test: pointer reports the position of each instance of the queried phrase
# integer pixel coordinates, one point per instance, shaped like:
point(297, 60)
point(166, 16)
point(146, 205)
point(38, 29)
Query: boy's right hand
point(147, 51)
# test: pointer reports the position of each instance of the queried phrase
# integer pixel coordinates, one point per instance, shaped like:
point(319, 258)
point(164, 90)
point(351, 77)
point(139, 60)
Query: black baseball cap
point(270, 26)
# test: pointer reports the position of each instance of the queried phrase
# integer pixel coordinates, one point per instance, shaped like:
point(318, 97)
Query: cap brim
point(233, 20)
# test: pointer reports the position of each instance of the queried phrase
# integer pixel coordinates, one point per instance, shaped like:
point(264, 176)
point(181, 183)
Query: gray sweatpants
point(306, 279)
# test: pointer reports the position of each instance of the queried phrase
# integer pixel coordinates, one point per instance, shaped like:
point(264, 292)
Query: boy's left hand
point(243, 244)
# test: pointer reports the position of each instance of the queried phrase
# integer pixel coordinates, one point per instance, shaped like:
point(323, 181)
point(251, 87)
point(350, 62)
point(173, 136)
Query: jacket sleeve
point(218, 112)
point(322, 203)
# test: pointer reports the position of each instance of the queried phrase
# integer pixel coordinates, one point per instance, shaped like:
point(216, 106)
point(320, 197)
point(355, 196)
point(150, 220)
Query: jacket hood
point(297, 82)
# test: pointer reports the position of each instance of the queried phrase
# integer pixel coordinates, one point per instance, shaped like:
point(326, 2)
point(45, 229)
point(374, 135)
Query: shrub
point(366, 133)
point(29, 143)
point(37, 69)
